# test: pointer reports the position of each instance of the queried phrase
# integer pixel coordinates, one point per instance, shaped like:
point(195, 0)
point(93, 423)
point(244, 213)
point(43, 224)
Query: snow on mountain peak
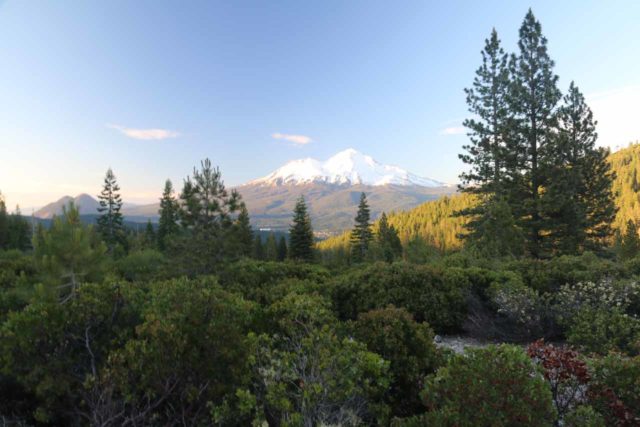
point(348, 167)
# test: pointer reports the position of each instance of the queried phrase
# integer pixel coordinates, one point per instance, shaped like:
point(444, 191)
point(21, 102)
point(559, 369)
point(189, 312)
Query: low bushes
point(496, 385)
point(430, 294)
point(408, 347)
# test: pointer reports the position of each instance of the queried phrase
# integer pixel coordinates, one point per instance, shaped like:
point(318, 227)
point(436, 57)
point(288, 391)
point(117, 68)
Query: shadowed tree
point(301, 233)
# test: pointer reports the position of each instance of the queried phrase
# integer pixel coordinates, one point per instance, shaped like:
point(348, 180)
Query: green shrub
point(408, 346)
point(306, 374)
point(521, 309)
point(255, 280)
point(550, 275)
point(50, 348)
point(492, 386)
point(584, 416)
point(430, 294)
point(615, 387)
point(603, 330)
point(142, 266)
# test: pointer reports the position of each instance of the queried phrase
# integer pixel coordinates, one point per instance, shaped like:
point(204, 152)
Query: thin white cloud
point(296, 139)
point(617, 114)
point(453, 130)
point(146, 134)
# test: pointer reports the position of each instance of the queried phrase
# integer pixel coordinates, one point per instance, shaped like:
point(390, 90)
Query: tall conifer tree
point(301, 239)
point(488, 130)
point(207, 216)
point(282, 248)
point(244, 232)
point(4, 224)
point(110, 221)
point(388, 240)
point(534, 98)
point(169, 211)
point(578, 201)
point(271, 248)
point(361, 235)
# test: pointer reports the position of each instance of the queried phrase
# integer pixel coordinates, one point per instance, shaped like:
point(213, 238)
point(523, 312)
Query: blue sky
point(151, 87)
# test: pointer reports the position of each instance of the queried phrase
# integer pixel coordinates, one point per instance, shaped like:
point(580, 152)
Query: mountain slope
point(331, 207)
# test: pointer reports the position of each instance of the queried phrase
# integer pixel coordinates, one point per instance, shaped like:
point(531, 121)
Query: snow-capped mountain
point(348, 167)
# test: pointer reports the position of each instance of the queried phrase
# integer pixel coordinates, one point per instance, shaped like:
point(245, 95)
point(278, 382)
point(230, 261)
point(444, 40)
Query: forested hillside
point(436, 223)
point(626, 187)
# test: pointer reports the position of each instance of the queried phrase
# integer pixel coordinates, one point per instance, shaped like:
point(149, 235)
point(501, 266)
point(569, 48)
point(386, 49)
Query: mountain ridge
point(347, 167)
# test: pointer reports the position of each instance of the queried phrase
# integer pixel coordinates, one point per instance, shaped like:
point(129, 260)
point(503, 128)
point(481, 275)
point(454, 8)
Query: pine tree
point(110, 221)
point(19, 231)
point(497, 234)
point(207, 216)
point(630, 244)
point(169, 210)
point(4, 224)
point(578, 200)
point(361, 235)
point(68, 253)
point(488, 131)
point(301, 240)
point(388, 240)
point(282, 248)
point(271, 248)
point(533, 98)
point(150, 238)
point(244, 232)
point(258, 248)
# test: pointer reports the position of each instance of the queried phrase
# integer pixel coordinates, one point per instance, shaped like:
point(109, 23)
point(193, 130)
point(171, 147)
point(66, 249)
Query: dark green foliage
point(388, 240)
point(109, 223)
point(306, 374)
point(578, 201)
point(549, 276)
point(495, 386)
point(80, 334)
point(615, 388)
point(282, 248)
point(190, 350)
point(257, 281)
point(429, 293)
point(534, 98)
point(258, 248)
point(600, 330)
point(18, 273)
point(19, 232)
point(207, 219)
point(67, 254)
point(630, 243)
point(361, 235)
point(150, 240)
point(169, 211)
point(142, 266)
point(15, 231)
point(244, 232)
point(4, 224)
point(495, 232)
point(408, 347)
point(271, 248)
point(488, 132)
point(301, 239)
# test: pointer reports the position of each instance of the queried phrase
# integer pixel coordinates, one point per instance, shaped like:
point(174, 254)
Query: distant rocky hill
point(85, 203)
